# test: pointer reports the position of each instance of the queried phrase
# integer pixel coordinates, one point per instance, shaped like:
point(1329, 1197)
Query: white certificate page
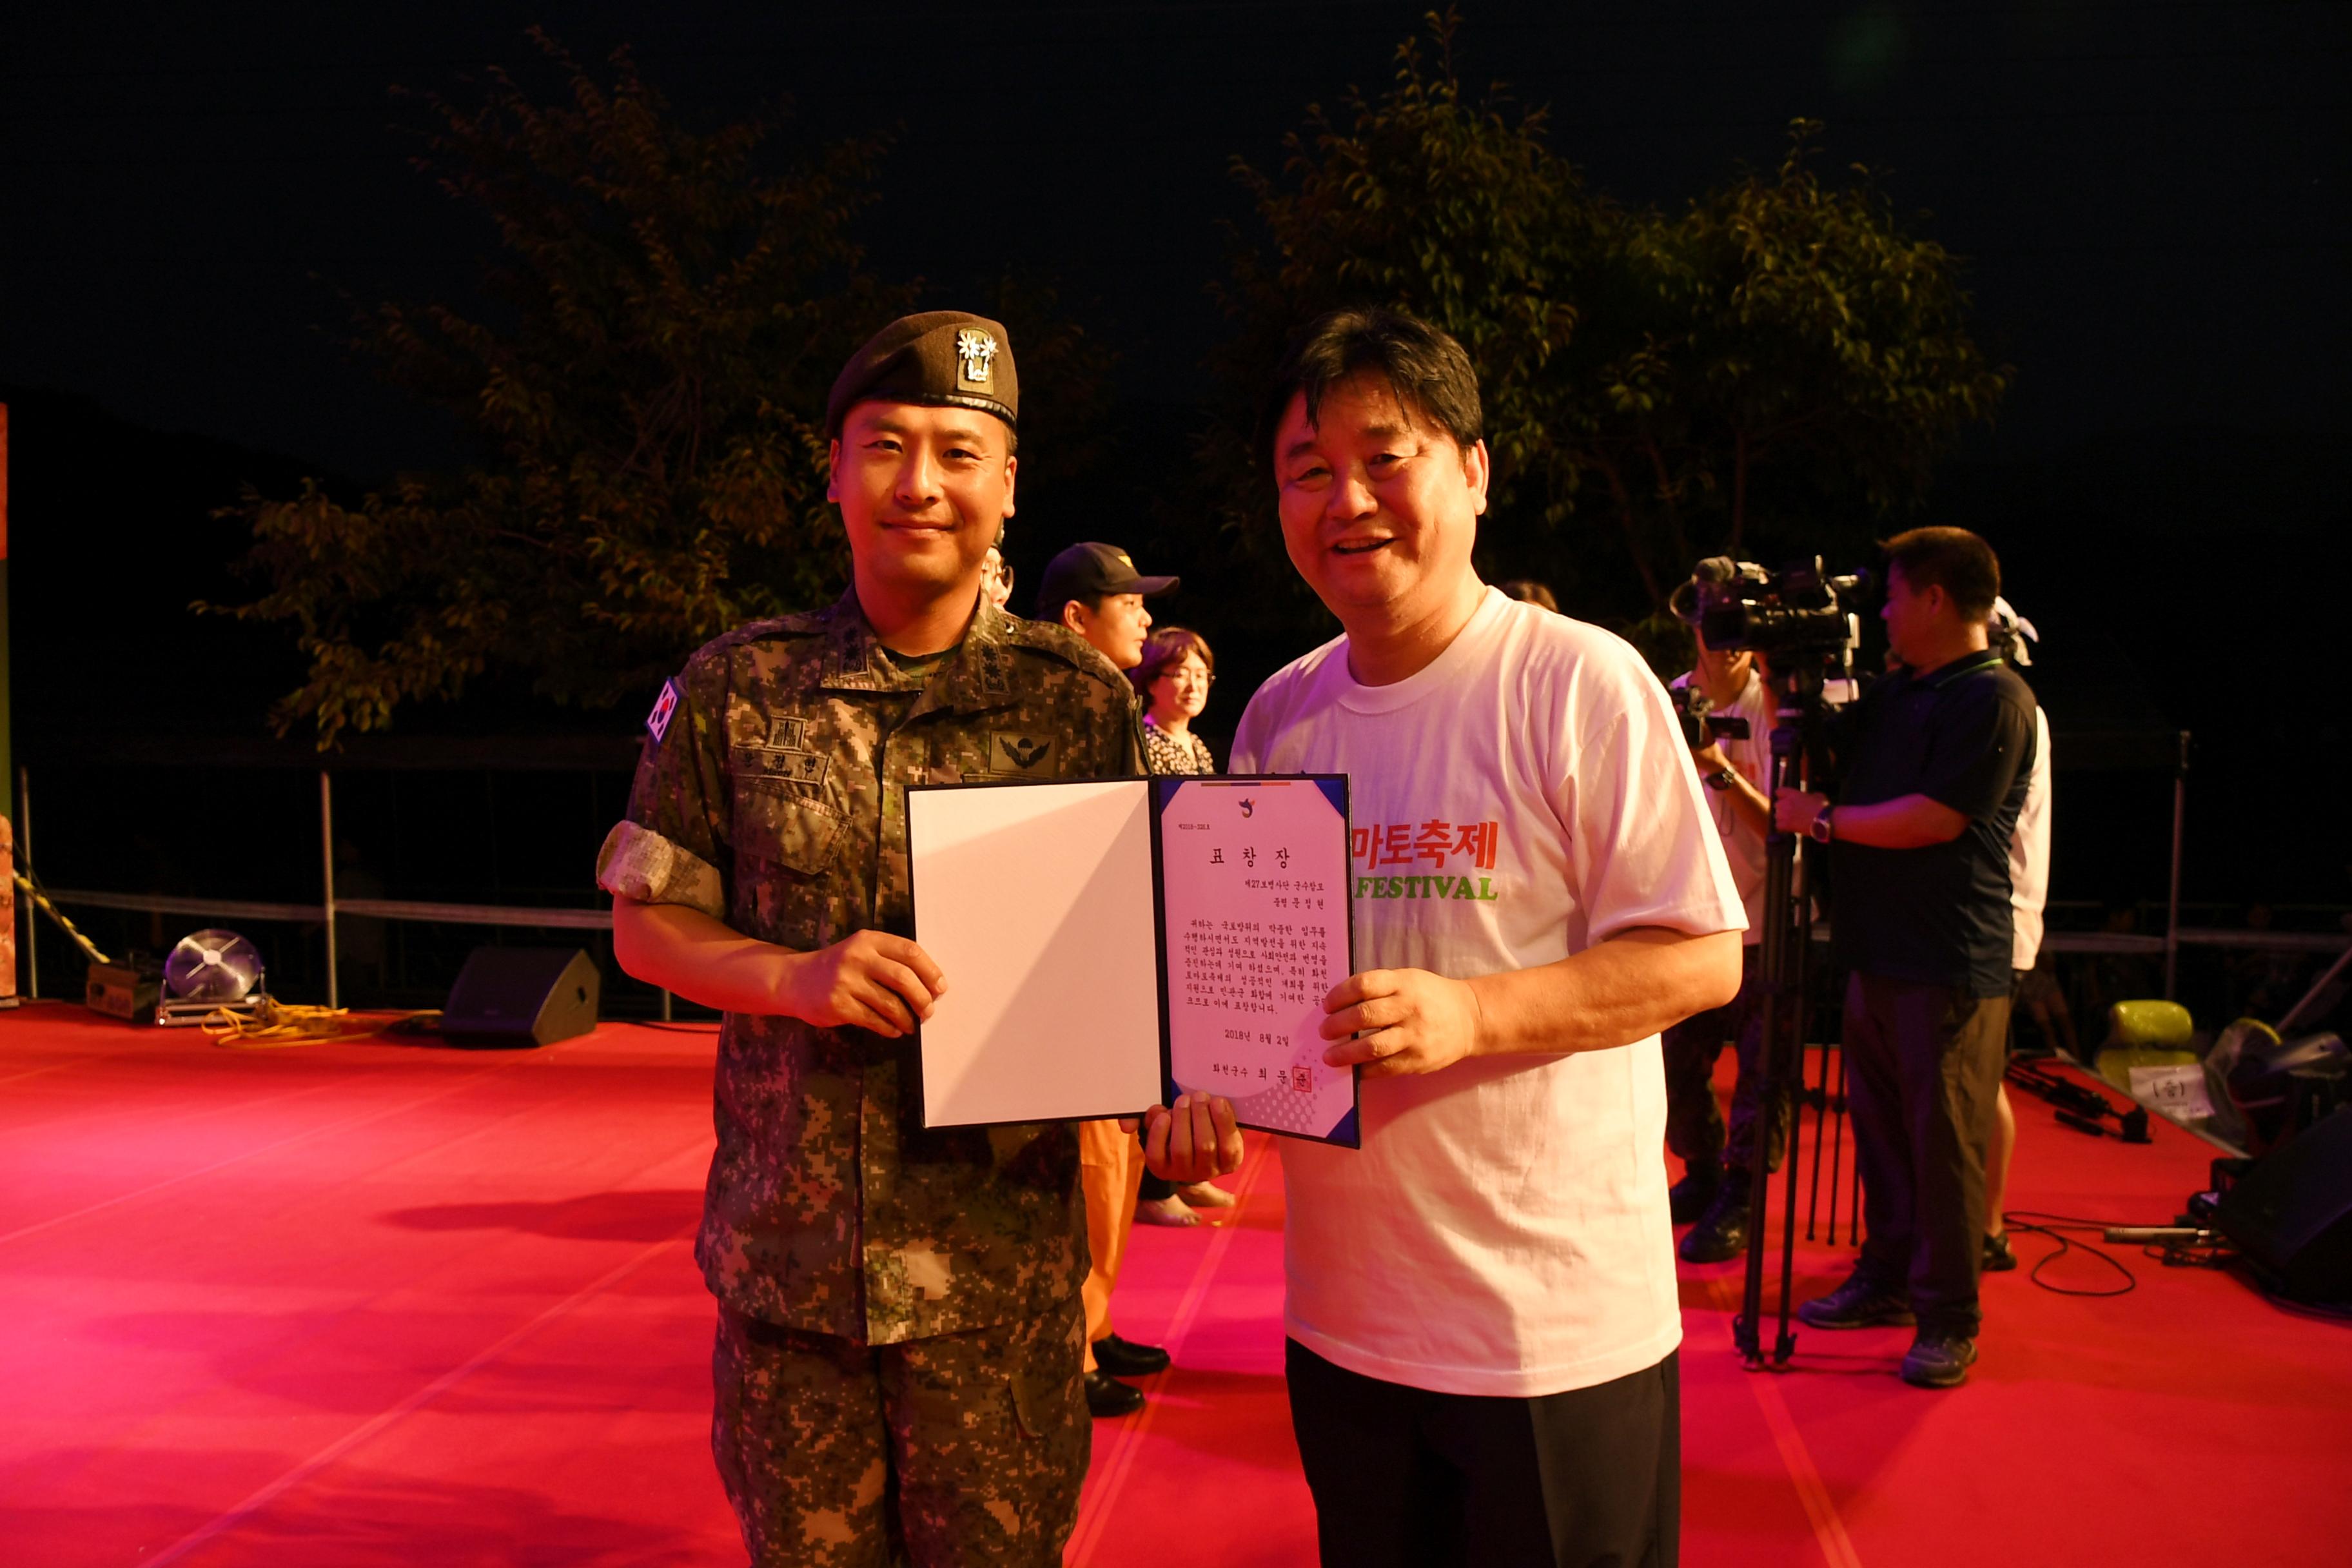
point(1036, 902)
point(1254, 902)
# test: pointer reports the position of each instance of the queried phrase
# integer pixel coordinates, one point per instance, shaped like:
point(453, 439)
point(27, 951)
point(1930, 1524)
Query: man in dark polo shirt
point(1935, 758)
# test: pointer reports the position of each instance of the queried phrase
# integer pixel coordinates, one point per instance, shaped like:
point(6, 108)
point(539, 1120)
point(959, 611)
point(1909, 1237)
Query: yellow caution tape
point(41, 901)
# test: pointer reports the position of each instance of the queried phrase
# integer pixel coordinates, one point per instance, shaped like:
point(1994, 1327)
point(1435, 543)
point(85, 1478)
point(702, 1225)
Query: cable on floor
point(2054, 1225)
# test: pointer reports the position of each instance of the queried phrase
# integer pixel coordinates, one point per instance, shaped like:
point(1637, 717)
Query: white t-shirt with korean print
point(1503, 1230)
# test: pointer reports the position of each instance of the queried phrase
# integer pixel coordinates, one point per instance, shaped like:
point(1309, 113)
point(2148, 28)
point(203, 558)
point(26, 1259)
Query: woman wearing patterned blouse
point(1173, 683)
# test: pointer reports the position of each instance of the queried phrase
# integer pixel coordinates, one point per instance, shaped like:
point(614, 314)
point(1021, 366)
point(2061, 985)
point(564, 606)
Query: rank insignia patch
point(664, 709)
point(995, 678)
point(784, 732)
point(1011, 753)
point(974, 351)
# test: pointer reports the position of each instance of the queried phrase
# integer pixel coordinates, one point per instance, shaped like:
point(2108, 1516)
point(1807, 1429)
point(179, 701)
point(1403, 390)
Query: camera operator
point(1935, 761)
point(1736, 769)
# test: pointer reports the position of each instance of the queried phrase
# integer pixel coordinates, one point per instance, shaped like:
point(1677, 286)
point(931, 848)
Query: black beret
point(940, 358)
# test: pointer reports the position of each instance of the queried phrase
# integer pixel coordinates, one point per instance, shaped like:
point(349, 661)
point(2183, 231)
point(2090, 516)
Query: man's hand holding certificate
point(868, 980)
point(1393, 1021)
point(1388, 1021)
point(1195, 1140)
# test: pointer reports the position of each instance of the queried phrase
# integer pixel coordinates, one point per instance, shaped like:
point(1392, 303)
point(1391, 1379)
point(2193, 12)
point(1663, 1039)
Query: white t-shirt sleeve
point(1643, 848)
point(2028, 855)
point(1249, 744)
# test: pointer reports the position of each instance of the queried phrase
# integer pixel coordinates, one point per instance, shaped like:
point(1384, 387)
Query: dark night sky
point(2152, 196)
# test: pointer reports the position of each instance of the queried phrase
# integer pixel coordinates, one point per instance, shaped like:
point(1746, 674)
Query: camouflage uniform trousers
point(959, 1448)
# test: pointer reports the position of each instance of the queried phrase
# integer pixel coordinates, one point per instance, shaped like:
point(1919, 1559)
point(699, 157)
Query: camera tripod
point(1782, 963)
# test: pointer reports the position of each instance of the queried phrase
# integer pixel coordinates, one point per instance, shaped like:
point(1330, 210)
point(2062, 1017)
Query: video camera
point(1803, 625)
point(1694, 709)
point(1799, 614)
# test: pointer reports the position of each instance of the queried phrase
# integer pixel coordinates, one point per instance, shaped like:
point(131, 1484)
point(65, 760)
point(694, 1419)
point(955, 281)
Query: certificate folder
point(1110, 943)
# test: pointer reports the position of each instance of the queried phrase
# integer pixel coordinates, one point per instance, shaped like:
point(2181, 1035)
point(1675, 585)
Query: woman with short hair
point(1172, 682)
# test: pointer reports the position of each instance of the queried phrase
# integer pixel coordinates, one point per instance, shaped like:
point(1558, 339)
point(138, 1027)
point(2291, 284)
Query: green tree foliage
point(1454, 209)
point(1773, 369)
point(1781, 354)
point(661, 321)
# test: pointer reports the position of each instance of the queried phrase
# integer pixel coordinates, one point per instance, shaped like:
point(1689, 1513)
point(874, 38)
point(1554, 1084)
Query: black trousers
point(1405, 1478)
point(1695, 1131)
point(1924, 1073)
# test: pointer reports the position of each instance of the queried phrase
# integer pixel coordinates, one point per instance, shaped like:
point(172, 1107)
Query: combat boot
point(1721, 1232)
point(1687, 1199)
point(1106, 1396)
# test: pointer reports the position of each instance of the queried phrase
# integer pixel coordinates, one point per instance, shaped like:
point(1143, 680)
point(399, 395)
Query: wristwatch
point(1820, 830)
point(1719, 779)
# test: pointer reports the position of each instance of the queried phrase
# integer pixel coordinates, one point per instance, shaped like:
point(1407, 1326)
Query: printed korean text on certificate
point(1254, 891)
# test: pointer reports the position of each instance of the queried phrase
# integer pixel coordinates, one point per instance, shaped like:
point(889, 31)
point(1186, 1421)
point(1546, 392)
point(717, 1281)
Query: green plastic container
point(2150, 1034)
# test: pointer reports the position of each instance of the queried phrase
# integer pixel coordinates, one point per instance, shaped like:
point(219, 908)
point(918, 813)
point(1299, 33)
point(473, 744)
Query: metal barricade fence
point(323, 913)
point(328, 908)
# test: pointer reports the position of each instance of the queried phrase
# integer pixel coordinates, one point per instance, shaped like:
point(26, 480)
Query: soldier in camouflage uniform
point(897, 1367)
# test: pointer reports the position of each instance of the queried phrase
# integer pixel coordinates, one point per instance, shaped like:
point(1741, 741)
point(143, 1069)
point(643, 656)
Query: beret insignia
point(975, 350)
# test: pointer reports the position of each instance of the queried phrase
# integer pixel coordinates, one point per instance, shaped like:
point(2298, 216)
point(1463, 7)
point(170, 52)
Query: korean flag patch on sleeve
point(664, 709)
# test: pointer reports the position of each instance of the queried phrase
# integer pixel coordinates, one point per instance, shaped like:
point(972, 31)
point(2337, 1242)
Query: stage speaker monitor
point(513, 996)
point(2291, 1215)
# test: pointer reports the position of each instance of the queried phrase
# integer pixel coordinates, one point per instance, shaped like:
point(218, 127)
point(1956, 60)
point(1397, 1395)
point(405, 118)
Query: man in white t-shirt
point(2029, 890)
point(1738, 771)
point(1481, 1307)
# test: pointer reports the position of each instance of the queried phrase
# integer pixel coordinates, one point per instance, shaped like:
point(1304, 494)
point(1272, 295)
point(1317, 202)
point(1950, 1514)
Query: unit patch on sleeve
point(664, 709)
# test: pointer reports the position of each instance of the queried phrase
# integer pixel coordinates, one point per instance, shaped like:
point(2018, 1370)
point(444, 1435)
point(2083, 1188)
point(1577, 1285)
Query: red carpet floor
point(369, 1303)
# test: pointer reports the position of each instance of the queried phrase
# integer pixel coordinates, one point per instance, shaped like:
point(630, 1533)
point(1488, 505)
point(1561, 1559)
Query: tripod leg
point(1854, 1226)
point(1837, 1138)
point(1820, 1114)
point(1779, 975)
point(1784, 1344)
point(1747, 1330)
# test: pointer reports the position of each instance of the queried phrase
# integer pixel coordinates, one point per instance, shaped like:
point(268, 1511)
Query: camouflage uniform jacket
point(772, 797)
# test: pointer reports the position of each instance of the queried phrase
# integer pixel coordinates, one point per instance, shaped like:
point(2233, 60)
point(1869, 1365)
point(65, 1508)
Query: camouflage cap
point(939, 358)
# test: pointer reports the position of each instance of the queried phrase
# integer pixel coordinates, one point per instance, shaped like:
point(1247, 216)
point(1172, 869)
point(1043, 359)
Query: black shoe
point(1125, 1358)
point(1109, 1396)
point(1857, 1304)
point(1999, 1258)
point(1938, 1360)
point(1689, 1198)
point(1721, 1232)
